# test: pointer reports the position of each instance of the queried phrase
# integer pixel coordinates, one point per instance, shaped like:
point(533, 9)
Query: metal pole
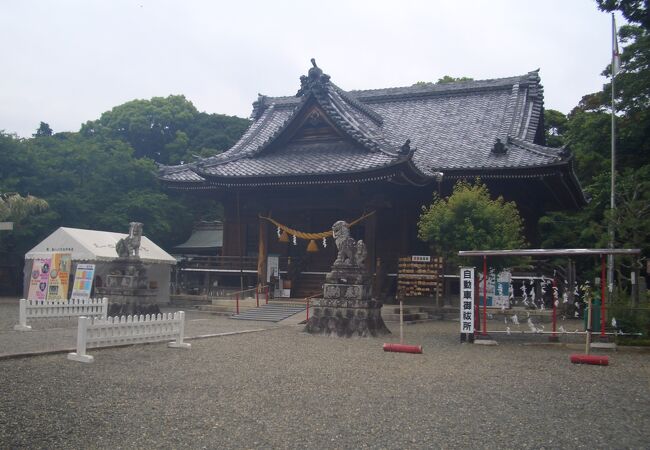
point(612, 201)
point(588, 334)
point(237, 300)
point(555, 297)
point(307, 309)
point(401, 321)
point(603, 274)
point(484, 328)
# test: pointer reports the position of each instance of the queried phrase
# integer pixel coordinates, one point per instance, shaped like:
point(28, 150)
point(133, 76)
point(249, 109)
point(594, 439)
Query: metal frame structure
point(602, 252)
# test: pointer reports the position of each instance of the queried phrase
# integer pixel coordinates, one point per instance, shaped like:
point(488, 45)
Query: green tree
point(167, 130)
point(470, 220)
point(16, 208)
point(43, 130)
point(555, 127)
point(445, 79)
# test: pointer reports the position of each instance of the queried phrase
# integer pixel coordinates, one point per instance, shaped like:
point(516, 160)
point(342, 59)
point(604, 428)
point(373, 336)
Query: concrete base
point(80, 358)
point(609, 345)
point(485, 342)
point(181, 345)
point(360, 318)
point(22, 328)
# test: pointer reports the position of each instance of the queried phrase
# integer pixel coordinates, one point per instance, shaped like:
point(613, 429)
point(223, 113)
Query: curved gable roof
point(450, 127)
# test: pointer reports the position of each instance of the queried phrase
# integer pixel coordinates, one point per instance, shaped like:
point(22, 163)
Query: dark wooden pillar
point(262, 252)
point(371, 239)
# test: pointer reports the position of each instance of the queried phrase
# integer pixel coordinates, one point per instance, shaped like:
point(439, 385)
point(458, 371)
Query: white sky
point(66, 61)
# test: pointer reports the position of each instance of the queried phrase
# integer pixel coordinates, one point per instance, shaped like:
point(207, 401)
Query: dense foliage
point(105, 176)
point(470, 220)
point(587, 132)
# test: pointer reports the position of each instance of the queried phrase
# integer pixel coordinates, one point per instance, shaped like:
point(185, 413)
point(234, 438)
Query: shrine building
point(327, 154)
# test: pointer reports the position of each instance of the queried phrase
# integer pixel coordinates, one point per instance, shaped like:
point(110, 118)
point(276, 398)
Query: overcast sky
point(65, 62)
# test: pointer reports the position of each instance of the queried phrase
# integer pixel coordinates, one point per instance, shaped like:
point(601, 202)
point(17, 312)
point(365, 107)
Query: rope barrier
point(313, 236)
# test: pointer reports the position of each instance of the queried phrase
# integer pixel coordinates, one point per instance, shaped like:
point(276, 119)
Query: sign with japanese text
point(420, 258)
point(467, 300)
point(498, 289)
point(39, 279)
point(83, 281)
point(57, 288)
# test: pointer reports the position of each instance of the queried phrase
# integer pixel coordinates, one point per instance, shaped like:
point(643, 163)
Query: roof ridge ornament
point(499, 147)
point(315, 80)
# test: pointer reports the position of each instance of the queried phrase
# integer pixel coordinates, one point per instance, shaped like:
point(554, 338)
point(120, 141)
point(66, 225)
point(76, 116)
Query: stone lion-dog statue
point(130, 246)
point(351, 253)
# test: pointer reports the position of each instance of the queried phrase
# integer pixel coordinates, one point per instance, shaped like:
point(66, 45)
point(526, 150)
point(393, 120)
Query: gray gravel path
point(282, 388)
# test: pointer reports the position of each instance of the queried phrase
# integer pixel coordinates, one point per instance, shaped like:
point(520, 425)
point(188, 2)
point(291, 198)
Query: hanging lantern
point(312, 247)
point(284, 237)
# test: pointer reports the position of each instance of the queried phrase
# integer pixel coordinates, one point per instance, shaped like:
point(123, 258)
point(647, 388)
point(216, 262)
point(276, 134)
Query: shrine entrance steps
point(273, 312)
point(412, 314)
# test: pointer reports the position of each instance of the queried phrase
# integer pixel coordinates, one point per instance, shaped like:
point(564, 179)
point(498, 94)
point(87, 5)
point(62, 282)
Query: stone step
point(270, 312)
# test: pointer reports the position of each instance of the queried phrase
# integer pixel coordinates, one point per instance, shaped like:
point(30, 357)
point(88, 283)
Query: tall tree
point(470, 220)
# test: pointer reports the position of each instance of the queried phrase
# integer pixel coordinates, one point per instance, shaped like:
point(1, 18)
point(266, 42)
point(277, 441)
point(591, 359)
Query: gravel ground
point(282, 388)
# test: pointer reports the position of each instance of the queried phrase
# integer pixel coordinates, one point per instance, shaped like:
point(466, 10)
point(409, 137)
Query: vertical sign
point(466, 304)
point(272, 268)
point(59, 276)
point(39, 279)
point(83, 281)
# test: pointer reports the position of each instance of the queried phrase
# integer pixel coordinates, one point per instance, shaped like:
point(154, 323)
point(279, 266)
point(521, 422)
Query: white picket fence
point(35, 309)
point(127, 330)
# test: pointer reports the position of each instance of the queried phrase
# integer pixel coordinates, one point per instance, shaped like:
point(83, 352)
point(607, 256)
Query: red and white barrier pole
point(307, 309)
point(403, 348)
point(484, 328)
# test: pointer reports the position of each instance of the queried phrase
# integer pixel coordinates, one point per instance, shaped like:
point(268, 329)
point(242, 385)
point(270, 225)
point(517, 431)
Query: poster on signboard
point(39, 278)
point(57, 288)
point(83, 281)
point(497, 287)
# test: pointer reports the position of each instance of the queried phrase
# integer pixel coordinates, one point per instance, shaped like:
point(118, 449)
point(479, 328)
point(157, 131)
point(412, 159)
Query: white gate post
point(181, 330)
point(104, 308)
point(22, 317)
point(82, 332)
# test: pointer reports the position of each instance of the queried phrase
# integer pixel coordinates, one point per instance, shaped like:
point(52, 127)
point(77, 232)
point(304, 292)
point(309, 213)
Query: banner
point(59, 276)
point(83, 281)
point(466, 302)
point(39, 279)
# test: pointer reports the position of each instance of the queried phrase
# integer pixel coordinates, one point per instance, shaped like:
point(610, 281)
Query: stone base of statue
point(127, 288)
point(347, 308)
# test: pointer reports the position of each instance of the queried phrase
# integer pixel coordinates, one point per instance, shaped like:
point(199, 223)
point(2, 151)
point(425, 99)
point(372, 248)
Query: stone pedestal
point(346, 310)
point(127, 288)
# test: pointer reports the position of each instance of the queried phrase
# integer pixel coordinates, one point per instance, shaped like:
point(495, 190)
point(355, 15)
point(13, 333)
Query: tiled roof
point(451, 126)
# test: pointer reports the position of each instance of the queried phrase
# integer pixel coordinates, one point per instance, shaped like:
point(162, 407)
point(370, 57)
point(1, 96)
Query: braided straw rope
point(303, 235)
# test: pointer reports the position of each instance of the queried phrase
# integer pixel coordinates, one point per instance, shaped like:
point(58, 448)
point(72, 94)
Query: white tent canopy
point(91, 245)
